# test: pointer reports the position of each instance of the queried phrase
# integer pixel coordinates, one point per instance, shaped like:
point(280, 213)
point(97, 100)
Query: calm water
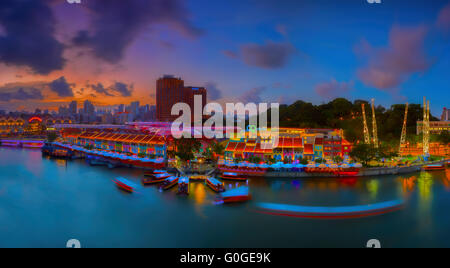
point(44, 203)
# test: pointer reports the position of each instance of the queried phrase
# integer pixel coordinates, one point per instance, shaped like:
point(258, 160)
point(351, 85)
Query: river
point(45, 202)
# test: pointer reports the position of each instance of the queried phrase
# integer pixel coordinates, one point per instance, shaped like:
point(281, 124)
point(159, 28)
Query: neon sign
point(35, 118)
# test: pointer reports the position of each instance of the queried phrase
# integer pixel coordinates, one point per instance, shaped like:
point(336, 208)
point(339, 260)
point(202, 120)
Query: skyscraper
point(170, 91)
point(445, 115)
point(73, 108)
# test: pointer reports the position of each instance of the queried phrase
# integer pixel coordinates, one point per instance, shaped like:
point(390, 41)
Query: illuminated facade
point(294, 144)
point(436, 149)
point(31, 125)
point(436, 127)
point(11, 125)
point(118, 140)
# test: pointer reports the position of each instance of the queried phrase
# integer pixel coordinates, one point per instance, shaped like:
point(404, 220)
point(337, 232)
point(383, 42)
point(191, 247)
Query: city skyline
point(257, 51)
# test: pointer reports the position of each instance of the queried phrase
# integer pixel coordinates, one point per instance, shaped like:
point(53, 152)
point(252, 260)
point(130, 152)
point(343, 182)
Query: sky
point(113, 51)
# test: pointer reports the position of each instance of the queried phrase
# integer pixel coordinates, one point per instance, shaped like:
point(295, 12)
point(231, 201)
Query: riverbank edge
point(367, 172)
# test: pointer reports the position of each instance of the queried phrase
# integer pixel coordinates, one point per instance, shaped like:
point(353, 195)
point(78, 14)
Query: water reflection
point(373, 186)
point(199, 193)
point(43, 208)
point(425, 183)
point(408, 184)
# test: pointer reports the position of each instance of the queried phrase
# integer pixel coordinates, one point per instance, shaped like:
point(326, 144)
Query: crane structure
point(404, 129)
point(366, 129)
point(374, 126)
point(426, 127)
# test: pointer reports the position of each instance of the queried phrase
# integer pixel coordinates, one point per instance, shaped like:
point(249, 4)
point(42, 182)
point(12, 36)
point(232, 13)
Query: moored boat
point(169, 183)
point(33, 144)
point(125, 185)
point(437, 167)
point(183, 185)
point(152, 173)
point(215, 185)
point(232, 176)
point(237, 195)
point(158, 178)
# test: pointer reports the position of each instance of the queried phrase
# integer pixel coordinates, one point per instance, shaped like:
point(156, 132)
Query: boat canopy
point(240, 191)
point(214, 181)
point(127, 182)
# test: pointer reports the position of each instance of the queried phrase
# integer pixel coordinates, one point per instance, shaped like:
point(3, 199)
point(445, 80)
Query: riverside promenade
point(365, 172)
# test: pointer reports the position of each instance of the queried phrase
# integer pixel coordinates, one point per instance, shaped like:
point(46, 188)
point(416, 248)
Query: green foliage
point(271, 160)
point(303, 161)
point(364, 153)
point(444, 137)
point(52, 136)
point(320, 161)
point(185, 148)
point(218, 148)
point(341, 113)
point(254, 159)
point(338, 159)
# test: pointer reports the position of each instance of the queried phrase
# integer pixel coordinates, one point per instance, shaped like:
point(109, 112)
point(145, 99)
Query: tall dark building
point(73, 108)
point(445, 115)
point(170, 91)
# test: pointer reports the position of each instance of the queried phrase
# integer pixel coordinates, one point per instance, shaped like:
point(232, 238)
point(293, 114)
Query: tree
point(364, 153)
point(338, 159)
point(444, 137)
point(218, 148)
point(185, 148)
point(52, 136)
point(303, 161)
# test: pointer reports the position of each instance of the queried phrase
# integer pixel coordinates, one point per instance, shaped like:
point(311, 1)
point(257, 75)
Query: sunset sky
point(112, 51)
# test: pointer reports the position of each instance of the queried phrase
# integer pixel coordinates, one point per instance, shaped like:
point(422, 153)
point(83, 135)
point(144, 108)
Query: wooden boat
point(434, 167)
point(236, 195)
point(215, 185)
point(349, 173)
point(158, 178)
point(169, 183)
point(232, 176)
point(33, 144)
point(125, 185)
point(152, 173)
point(183, 185)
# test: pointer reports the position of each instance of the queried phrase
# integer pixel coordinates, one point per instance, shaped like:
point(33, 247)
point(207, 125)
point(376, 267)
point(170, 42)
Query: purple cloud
point(443, 20)
point(213, 92)
point(28, 36)
point(61, 87)
point(271, 55)
point(123, 89)
point(115, 24)
point(253, 95)
point(333, 89)
point(387, 68)
point(100, 89)
point(11, 92)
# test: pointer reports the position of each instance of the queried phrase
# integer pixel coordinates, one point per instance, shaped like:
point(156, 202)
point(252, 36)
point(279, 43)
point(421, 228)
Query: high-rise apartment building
point(73, 108)
point(170, 91)
point(445, 115)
